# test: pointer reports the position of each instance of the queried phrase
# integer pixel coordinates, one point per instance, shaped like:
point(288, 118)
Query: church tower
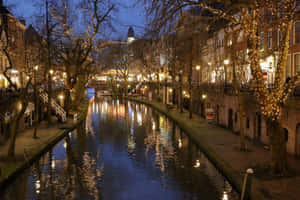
point(130, 35)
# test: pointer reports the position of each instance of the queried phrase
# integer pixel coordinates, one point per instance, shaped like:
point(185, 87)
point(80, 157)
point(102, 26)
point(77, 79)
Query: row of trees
point(64, 41)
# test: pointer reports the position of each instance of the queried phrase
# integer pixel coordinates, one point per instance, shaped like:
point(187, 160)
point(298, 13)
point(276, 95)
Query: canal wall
point(192, 130)
point(12, 169)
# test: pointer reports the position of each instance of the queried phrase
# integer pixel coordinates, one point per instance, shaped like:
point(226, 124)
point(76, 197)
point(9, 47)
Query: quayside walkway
point(222, 147)
point(27, 148)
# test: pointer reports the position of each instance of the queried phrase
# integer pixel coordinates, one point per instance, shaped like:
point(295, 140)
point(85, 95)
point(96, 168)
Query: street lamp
point(198, 69)
point(51, 71)
point(226, 62)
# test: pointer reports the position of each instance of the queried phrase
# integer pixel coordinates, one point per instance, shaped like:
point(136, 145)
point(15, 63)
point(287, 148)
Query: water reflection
point(123, 151)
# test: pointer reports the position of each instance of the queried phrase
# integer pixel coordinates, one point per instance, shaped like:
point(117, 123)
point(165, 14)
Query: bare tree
point(13, 51)
point(76, 47)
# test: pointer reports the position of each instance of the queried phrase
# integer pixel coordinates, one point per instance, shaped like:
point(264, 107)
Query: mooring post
point(247, 184)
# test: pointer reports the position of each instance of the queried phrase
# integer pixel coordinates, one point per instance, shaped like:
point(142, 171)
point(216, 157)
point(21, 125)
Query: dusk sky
point(128, 15)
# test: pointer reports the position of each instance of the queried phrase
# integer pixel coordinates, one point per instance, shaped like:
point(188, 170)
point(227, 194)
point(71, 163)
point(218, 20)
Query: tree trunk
point(278, 147)
point(191, 101)
point(191, 91)
point(79, 90)
point(180, 94)
point(49, 108)
point(14, 130)
point(67, 100)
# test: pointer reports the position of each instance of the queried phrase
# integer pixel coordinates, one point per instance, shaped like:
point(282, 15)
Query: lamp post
point(226, 63)
point(198, 85)
point(198, 69)
point(51, 71)
point(36, 103)
point(180, 91)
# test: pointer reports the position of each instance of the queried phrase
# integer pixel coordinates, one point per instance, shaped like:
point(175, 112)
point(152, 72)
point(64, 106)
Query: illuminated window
point(270, 38)
point(279, 37)
point(296, 63)
point(229, 42)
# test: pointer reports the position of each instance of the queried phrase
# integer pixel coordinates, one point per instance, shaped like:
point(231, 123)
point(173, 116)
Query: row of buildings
point(208, 52)
point(24, 47)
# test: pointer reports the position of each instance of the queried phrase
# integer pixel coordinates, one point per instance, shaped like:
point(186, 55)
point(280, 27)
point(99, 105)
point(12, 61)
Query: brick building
point(225, 42)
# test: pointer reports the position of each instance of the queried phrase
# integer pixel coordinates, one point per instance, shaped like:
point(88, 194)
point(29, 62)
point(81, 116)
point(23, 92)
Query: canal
point(125, 151)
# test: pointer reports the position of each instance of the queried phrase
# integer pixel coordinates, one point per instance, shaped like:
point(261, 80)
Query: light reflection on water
point(124, 151)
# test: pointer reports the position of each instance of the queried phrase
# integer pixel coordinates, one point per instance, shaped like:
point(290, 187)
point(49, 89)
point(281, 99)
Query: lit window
point(262, 40)
point(270, 38)
point(279, 37)
point(229, 42)
point(296, 63)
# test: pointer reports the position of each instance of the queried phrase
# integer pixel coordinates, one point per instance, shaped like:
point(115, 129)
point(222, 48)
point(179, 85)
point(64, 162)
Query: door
point(258, 126)
point(230, 119)
point(218, 108)
point(298, 140)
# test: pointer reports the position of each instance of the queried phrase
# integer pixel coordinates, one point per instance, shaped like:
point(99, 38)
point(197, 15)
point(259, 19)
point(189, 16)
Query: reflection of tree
point(163, 150)
point(91, 175)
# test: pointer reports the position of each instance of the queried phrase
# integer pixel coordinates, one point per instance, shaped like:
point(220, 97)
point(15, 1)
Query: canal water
point(125, 151)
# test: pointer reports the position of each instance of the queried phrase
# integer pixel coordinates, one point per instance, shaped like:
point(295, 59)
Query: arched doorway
point(258, 126)
point(298, 140)
point(230, 119)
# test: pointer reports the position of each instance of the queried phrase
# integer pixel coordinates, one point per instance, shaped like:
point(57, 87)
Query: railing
point(55, 106)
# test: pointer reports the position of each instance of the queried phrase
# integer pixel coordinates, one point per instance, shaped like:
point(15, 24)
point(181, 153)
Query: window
point(262, 41)
point(229, 42)
point(235, 117)
point(279, 37)
point(286, 134)
point(297, 33)
point(270, 16)
point(248, 123)
point(288, 67)
point(297, 4)
point(290, 38)
point(270, 38)
point(262, 17)
point(240, 36)
point(296, 63)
